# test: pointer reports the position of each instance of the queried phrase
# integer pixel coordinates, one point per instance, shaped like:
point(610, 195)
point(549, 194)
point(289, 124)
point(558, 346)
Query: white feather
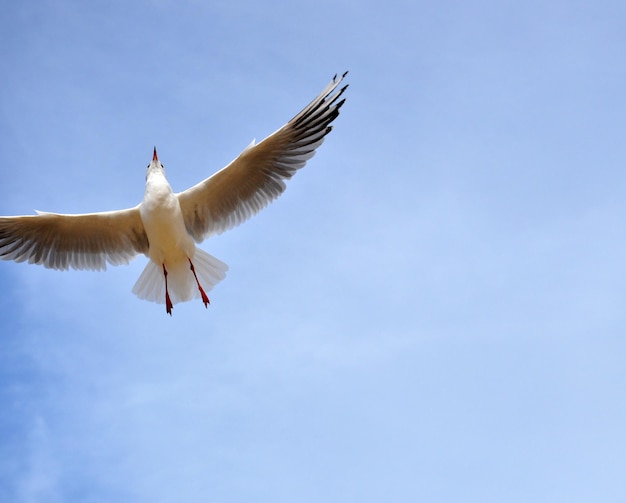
point(180, 281)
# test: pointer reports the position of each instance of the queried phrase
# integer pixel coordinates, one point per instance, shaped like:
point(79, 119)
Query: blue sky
point(433, 311)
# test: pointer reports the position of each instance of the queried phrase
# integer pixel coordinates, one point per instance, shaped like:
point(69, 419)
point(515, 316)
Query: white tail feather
point(180, 281)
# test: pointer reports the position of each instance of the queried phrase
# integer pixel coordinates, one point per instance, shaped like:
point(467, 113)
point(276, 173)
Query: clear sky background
point(434, 311)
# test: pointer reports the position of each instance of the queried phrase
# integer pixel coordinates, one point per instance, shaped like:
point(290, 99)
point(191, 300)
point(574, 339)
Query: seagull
point(166, 225)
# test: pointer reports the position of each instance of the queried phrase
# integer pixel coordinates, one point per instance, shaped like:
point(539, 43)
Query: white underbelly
point(167, 236)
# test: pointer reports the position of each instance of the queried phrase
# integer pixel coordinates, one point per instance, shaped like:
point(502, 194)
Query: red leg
point(168, 301)
point(205, 299)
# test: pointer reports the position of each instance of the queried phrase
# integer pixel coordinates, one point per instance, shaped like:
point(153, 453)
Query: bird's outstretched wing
point(257, 176)
point(86, 241)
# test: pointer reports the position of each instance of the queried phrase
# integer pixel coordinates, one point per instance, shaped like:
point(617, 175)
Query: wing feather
point(86, 241)
point(257, 176)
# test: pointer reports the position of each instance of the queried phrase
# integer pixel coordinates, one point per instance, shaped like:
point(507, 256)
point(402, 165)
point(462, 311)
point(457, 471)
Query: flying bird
point(166, 225)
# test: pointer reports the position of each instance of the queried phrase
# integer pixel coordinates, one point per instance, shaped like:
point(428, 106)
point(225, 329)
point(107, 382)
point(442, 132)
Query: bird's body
point(166, 226)
point(171, 246)
point(163, 220)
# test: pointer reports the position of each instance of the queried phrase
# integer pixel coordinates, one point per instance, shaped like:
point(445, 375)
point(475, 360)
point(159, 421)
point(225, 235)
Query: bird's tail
point(180, 279)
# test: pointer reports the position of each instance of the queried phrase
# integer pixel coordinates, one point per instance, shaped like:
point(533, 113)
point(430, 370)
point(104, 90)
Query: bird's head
point(155, 165)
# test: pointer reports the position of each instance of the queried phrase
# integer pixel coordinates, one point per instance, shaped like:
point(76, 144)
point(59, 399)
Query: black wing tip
point(343, 75)
point(325, 107)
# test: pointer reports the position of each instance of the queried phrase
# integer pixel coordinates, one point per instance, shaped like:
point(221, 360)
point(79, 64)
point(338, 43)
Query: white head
point(155, 165)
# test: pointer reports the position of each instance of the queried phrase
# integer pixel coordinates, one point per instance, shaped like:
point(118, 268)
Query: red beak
point(154, 157)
